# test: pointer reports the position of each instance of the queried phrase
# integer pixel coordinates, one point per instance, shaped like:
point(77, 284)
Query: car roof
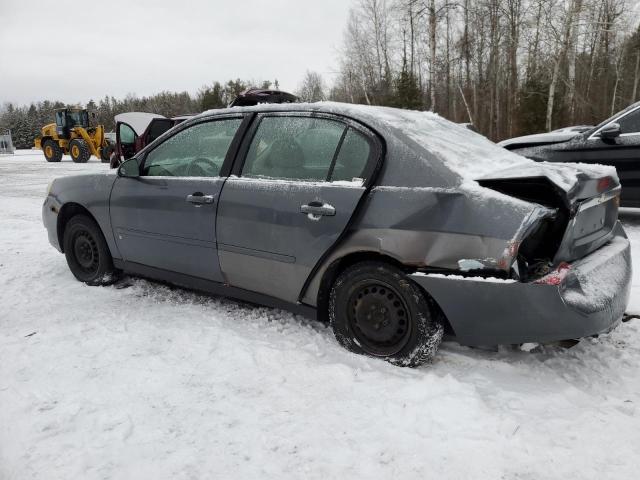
point(429, 136)
point(139, 121)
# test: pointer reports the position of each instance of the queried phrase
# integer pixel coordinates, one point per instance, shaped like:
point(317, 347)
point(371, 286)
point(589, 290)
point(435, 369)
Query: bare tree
point(512, 66)
point(572, 12)
point(312, 88)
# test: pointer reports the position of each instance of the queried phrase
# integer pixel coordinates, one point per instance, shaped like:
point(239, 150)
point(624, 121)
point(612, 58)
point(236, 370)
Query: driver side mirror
point(129, 169)
point(611, 131)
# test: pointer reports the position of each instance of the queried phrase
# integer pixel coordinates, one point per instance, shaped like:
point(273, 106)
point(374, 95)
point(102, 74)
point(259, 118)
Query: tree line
point(26, 121)
point(509, 67)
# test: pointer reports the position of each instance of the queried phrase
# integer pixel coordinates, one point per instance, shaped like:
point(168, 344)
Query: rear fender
point(434, 229)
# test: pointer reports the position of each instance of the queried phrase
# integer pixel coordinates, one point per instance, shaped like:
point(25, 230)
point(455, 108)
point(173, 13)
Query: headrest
point(285, 154)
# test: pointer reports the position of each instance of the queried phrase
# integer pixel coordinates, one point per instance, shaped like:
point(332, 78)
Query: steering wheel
point(200, 165)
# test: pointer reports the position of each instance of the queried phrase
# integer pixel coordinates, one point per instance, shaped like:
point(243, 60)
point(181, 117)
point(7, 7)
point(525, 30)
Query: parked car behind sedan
point(136, 130)
point(394, 226)
point(615, 142)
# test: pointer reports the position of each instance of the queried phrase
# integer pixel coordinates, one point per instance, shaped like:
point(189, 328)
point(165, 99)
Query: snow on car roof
point(468, 154)
point(139, 121)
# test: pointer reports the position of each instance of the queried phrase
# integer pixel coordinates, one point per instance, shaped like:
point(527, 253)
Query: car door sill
point(215, 288)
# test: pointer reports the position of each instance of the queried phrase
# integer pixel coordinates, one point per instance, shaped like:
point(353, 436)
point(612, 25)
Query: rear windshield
point(461, 150)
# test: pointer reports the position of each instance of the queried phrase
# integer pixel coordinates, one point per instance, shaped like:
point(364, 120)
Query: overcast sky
point(73, 51)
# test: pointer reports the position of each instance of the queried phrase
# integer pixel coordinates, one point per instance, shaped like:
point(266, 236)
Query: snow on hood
point(550, 137)
point(139, 121)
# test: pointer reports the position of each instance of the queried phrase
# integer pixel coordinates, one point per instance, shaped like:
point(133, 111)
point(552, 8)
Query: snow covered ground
point(152, 382)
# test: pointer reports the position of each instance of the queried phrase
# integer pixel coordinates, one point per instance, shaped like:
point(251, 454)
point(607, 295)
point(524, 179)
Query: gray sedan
point(394, 226)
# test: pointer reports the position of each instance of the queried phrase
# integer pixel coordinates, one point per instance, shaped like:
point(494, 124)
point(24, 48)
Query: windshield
point(77, 118)
point(616, 116)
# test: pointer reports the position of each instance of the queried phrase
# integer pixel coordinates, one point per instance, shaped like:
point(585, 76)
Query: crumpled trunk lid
point(585, 197)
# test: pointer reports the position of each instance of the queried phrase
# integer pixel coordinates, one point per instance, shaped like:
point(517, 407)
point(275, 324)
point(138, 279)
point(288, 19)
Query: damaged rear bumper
point(591, 299)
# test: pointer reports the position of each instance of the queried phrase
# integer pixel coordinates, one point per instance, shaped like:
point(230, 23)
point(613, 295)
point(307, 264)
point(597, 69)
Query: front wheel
point(87, 253)
point(52, 151)
point(374, 309)
point(79, 150)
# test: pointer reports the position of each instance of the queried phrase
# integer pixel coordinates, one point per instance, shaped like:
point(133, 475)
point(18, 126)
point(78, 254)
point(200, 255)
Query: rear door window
point(158, 127)
point(353, 158)
point(293, 148)
point(307, 149)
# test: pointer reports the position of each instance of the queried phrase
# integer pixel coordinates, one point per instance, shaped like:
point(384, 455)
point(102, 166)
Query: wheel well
point(341, 264)
point(67, 212)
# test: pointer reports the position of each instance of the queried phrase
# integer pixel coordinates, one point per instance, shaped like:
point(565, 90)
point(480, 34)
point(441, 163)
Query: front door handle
point(200, 198)
point(317, 208)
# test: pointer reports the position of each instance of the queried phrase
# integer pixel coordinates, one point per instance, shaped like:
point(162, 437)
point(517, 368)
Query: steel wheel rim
point(48, 151)
point(379, 318)
point(75, 151)
point(85, 250)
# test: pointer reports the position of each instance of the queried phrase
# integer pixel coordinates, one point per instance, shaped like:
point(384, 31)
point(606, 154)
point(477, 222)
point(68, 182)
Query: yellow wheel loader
point(71, 134)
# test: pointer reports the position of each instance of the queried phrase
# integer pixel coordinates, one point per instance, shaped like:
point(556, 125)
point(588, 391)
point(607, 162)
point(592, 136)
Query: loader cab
point(67, 118)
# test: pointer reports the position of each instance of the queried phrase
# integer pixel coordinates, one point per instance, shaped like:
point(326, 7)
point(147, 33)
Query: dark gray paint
point(91, 192)
point(155, 224)
point(418, 212)
point(266, 243)
point(487, 313)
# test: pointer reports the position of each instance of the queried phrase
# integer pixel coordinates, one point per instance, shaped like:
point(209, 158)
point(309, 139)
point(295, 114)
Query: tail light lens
point(556, 277)
point(604, 184)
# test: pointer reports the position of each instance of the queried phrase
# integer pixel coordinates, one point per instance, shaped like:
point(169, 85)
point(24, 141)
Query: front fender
point(88, 192)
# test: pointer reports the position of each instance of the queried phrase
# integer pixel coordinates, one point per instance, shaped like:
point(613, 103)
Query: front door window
point(630, 123)
point(197, 151)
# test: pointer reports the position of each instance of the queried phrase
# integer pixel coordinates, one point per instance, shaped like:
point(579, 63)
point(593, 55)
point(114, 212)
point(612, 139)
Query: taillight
point(604, 184)
point(557, 276)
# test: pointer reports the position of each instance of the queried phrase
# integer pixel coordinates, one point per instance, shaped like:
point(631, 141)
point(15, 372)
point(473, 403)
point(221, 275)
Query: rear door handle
point(317, 208)
point(200, 198)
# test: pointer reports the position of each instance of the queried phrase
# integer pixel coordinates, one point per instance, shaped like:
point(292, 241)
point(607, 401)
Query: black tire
point(87, 253)
point(375, 310)
point(105, 153)
point(52, 151)
point(79, 150)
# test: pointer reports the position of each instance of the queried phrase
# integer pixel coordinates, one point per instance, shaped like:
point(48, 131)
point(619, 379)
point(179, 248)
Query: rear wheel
point(374, 309)
point(105, 153)
point(52, 151)
point(87, 253)
point(79, 150)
